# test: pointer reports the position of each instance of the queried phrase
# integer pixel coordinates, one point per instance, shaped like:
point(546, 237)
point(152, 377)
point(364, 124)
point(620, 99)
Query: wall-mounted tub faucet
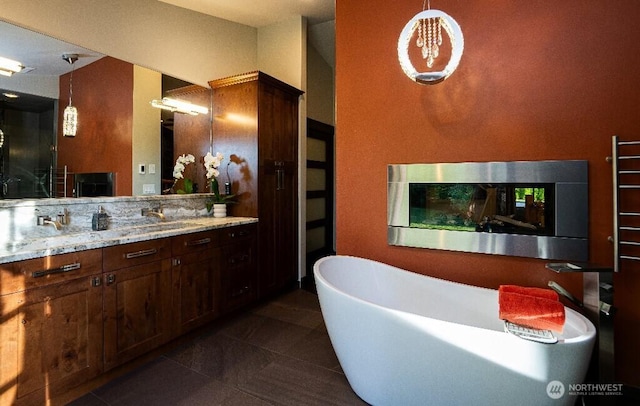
point(597, 294)
point(563, 292)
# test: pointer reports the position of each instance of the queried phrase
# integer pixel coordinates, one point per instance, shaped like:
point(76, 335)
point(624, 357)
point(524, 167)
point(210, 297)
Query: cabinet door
point(11, 359)
point(239, 277)
point(55, 334)
point(137, 304)
point(278, 122)
point(196, 281)
point(278, 226)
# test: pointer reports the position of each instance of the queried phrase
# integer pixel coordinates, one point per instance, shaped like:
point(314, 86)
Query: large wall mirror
point(120, 135)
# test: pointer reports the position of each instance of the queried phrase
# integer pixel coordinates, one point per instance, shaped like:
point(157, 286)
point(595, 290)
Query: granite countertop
point(59, 242)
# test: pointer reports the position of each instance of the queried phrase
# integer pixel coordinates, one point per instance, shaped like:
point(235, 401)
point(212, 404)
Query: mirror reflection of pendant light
point(70, 118)
point(430, 24)
point(1, 139)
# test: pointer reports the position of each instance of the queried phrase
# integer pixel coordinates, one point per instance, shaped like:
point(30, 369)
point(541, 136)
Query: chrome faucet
point(154, 212)
point(46, 220)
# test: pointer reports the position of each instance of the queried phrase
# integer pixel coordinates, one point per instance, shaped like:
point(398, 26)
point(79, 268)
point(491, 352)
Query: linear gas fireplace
point(533, 209)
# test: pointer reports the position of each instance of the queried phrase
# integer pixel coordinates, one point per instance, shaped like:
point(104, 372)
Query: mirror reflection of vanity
point(119, 133)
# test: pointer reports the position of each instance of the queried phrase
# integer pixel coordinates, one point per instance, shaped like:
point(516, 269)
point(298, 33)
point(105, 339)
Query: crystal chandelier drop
point(1, 138)
point(430, 23)
point(429, 39)
point(70, 117)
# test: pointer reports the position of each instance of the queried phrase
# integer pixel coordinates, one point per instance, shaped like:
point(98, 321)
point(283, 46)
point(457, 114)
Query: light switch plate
point(148, 189)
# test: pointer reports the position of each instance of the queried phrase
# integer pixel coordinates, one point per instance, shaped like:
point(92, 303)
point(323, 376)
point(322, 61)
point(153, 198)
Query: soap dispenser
point(100, 220)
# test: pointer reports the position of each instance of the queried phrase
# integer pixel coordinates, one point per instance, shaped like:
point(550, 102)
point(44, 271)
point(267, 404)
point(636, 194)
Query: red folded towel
point(531, 311)
point(525, 290)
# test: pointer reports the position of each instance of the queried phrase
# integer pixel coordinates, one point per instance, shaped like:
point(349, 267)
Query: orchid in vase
point(178, 173)
point(211, 165)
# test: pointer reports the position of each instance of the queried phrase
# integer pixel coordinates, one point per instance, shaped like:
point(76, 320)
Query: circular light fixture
point(428, 23)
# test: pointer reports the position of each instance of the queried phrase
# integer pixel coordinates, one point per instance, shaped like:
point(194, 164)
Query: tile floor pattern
point(277, 353)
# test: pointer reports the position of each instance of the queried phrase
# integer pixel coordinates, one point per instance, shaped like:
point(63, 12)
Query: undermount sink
point(159, 226)
point(144, 229)
point(86, 238)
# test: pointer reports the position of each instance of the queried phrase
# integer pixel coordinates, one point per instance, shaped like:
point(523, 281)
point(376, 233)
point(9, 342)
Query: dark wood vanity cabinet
point(137, 299)
point(256, 128)
point(195, 280)
point(66, 319)
point(50, 326)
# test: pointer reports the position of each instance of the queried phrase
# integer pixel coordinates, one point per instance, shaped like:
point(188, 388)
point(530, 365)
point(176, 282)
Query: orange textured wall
point(103, 95)
point(537, 81)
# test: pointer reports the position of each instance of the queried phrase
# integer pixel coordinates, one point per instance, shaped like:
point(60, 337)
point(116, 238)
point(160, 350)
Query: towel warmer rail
point(626, 183)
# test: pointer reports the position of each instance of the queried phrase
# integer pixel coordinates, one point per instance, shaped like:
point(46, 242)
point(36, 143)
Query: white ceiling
point(41, 54)
point(258, 13)
point(320, 15)
point(43, 49)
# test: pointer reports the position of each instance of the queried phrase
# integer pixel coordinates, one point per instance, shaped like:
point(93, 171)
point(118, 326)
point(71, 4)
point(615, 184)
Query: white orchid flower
point(181, 163)
point(211, 163)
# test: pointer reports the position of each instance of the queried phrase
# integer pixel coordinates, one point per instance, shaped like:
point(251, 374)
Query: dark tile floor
point(277, 353)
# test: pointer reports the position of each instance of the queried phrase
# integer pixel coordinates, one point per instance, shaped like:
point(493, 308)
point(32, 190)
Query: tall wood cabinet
point(255, 126)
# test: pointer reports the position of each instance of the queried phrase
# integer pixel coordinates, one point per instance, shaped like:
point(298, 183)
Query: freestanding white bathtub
point(408, 339)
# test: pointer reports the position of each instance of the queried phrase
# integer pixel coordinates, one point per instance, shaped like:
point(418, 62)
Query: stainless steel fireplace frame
point(570, 180)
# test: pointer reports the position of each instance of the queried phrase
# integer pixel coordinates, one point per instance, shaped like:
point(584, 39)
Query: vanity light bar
point(179, 106)
point(8, 66)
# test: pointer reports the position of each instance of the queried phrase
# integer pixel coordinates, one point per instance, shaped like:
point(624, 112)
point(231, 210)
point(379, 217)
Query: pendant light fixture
point(430, 24)
point(70, 118)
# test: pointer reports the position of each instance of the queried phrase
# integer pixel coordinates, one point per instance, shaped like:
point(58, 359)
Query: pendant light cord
point(71, 84)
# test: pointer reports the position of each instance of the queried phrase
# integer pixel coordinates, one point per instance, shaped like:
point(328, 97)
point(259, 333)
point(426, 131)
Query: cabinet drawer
point(234, 256)
point(37, 272)
point(126, 255)
point(239, 276)
point(231, 235)
point(204, 241)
